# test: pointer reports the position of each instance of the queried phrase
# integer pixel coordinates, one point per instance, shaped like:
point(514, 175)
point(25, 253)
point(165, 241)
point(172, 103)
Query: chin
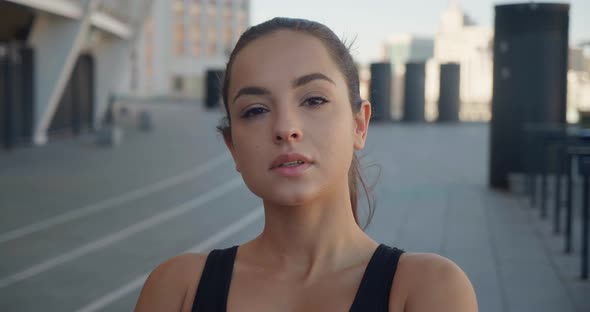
point(295, 194)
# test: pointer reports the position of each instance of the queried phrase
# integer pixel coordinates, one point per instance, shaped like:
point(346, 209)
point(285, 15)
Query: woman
point(294, 118)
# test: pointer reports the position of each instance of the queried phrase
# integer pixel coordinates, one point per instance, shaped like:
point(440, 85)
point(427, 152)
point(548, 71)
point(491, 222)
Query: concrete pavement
point(81, 225)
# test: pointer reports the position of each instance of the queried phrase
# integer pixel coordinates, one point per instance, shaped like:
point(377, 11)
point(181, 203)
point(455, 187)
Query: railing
point(561, 152)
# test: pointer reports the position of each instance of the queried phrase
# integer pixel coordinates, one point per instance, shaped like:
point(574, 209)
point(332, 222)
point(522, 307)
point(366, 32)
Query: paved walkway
point(82, 225)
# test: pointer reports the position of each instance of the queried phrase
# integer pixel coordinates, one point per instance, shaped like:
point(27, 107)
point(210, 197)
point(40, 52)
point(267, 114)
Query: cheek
point(335, 137)
point(338, 129)
point(248, 147)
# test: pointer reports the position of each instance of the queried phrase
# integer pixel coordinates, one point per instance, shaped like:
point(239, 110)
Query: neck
point(312, 239)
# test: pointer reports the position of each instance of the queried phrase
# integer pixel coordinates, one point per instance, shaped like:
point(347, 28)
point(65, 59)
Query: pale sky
point(371, 21)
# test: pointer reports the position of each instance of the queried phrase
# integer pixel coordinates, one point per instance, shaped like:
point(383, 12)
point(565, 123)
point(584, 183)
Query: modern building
point(578, 81)
point(400, 49)
point(181, 40)
point(460, 40)
point(457, 40)
point(60, 62)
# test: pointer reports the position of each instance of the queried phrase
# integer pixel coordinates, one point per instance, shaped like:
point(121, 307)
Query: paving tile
point(432, 196)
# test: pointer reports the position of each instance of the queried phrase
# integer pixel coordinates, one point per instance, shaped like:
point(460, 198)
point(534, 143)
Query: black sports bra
point(372, 294)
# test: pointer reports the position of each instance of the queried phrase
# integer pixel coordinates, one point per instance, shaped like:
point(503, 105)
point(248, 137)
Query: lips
point(289, 160)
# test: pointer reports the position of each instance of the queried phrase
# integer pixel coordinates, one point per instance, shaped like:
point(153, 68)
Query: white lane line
point(207, 244)
point(118, 236)
point(115, 201)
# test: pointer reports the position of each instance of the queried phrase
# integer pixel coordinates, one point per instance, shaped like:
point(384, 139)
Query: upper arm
point(168, 284)
point(443, 287)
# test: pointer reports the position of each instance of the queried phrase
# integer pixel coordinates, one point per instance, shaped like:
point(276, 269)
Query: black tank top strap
point(215, 280)
point(373, 292)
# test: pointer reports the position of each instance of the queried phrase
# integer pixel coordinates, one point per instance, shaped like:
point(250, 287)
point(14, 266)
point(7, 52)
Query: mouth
point(291, 169)
point(290, 160)
point(291, 164)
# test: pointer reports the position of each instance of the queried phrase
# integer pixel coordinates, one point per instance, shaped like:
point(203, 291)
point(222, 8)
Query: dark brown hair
point(340, 54)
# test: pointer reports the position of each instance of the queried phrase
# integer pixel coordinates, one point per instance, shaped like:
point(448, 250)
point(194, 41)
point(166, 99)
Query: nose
point(291, 135)
point(287, 129)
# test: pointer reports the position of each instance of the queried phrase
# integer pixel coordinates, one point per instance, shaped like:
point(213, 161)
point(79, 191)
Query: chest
point(228, 286)
point(260, 293)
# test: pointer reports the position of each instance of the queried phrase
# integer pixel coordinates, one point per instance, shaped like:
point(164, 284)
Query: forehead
point(280, 57)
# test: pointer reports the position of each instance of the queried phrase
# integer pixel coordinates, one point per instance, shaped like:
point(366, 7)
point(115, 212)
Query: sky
point(370, 22)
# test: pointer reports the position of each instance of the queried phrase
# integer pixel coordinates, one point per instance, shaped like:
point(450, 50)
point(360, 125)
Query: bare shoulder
point(434, 283)
point(169, 285)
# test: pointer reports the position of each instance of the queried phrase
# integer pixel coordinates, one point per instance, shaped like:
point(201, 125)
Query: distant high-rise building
point(181, 40)
point(578, 82)
point(576, 59)
point(400, 49)
point(460, 40)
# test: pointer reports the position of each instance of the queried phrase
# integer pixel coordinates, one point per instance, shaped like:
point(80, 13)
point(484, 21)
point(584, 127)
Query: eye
point(315, 101)
point(253, 112)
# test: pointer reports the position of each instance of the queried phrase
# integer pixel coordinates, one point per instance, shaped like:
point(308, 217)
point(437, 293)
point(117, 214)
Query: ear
point(230, 146)
point(361, 121)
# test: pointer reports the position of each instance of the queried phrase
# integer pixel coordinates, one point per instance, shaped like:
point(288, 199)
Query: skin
point(311, 254)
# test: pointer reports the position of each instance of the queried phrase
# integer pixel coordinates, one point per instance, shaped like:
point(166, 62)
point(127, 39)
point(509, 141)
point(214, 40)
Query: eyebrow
point(309, 78)
point(251, 91)
point(298, 82)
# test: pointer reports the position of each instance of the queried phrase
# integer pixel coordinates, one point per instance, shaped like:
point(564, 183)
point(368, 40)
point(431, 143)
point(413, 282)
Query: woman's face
point(292, 126)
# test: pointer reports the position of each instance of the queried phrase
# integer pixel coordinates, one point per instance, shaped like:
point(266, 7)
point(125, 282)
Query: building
point(61, 61)
point(181, 40)
point(578, 82)
point(460, 40)
point(400, 49)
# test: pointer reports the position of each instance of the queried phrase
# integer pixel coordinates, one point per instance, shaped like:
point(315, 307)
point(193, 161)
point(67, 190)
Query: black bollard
point(449, 97)
point(414, 96)
point(213, 87)
point(380, 91)
point(530, 67)
point(16, 94)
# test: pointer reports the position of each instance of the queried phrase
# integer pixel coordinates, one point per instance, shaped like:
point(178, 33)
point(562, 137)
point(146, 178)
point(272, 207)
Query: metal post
point(568, 206)
point(534, 190)
point(544, 186)
point(557, 210)
point(584, 253)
